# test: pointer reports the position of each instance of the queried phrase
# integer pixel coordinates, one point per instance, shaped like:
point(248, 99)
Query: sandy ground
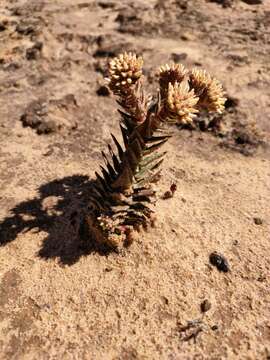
point(61, 298)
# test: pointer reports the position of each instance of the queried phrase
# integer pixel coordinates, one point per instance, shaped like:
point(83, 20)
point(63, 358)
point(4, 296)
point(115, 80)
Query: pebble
point(257, 221)
point(205, 305)
point(219, 261)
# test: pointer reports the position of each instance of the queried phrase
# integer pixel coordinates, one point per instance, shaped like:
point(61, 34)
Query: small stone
point(214, 327)
point(219, 261)
point(205, 305)
point(258, 221)
point(173, 188)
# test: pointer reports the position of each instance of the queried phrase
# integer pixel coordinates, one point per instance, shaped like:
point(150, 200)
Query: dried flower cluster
point(170, 74)
point(181, 102)
point(124, 71)
point(123, 196)
point(209, 91)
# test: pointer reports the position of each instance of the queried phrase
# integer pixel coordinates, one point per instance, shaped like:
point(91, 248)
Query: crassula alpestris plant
point(122, 198)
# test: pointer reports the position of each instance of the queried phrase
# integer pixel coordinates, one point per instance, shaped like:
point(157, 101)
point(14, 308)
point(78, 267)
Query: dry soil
point(60, 298)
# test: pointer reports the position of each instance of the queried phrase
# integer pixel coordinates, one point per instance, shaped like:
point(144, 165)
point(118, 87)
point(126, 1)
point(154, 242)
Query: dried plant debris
point(123, 197)
point(191, 330)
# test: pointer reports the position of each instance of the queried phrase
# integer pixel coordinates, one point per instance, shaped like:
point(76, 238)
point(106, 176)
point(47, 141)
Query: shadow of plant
point(58, 210)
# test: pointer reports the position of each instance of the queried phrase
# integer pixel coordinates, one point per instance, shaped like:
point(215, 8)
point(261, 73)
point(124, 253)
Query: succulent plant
point(122, 198)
